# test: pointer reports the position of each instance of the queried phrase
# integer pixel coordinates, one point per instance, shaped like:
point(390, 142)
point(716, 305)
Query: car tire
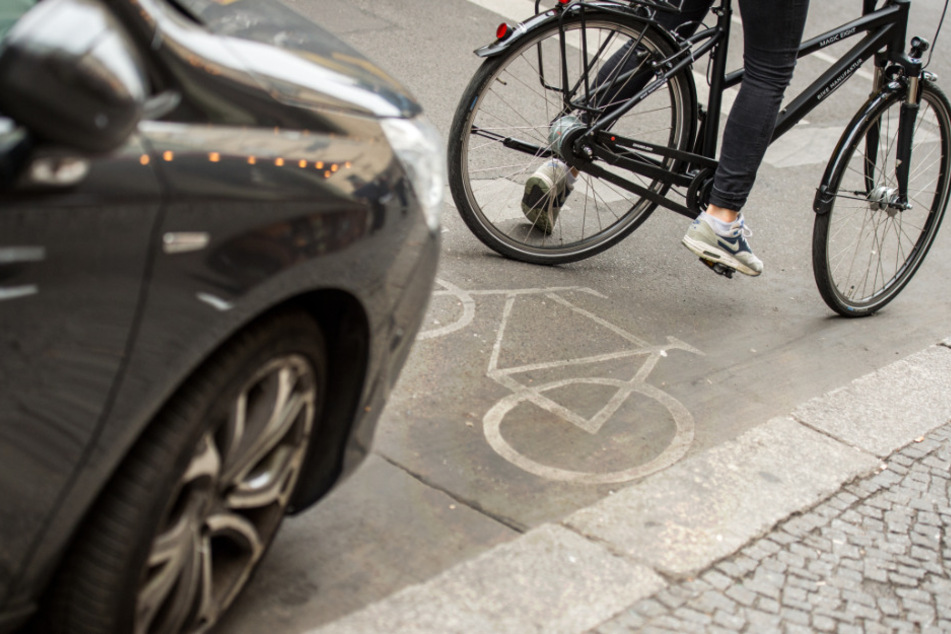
point(187, 517)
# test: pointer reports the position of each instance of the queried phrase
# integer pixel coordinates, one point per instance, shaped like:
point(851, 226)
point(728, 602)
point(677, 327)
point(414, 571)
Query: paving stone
point(869, 559)
point(874, 627)
point(795, 615)
point(879, 502)
point(764, 588)
point(729, 569)
point(811, 547)
point(781, 537)
point(856, 596)
point(689, 615)
point(914, 594)
point(802, 578)
point(694, 587)
point(761, 621)
point(915, 572)
point(627, 622)
point(712, 601)
point(919, 612)
point(745, 564)
point(889, 606)
point(853, 576)
point(650, 608)
point(873, 524)
point(741, 595)
point(875, 573)
point(717, 579)
point(902, 580)
point(846, 499)
point(729, 620)
point(767, 604)
point(671, 599)
point(823, 623)
point(861, 611)
point(791, 559)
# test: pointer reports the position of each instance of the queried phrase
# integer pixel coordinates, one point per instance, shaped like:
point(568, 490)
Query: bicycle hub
point(560, 130)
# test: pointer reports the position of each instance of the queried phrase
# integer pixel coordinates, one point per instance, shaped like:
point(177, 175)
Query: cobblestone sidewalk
point(876, 557)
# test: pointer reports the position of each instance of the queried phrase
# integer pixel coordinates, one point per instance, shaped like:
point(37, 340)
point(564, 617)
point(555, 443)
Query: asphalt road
point(682, 359)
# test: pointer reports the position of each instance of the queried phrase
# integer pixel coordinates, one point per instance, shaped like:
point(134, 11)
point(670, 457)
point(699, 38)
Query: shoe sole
point(544, 185)
point(537, 203)
point(705, 251)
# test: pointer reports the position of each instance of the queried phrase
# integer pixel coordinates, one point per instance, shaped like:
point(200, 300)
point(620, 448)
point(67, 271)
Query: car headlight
point(419, 147)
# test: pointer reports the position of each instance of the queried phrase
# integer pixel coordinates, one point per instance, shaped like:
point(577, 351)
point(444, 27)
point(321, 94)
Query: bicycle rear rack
point(661, 5)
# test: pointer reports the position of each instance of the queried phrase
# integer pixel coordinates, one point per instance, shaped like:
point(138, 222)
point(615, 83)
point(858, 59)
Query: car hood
point(299, 62)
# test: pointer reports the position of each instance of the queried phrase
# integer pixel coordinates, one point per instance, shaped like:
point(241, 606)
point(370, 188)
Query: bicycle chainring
point(698, 193)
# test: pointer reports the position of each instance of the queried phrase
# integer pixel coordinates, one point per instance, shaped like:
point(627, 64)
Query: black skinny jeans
point(771, 37)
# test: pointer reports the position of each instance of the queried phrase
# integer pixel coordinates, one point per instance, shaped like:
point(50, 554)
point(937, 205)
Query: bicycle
point(538, 96)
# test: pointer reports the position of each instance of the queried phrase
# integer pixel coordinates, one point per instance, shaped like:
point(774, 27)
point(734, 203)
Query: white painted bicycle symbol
point(536, 394)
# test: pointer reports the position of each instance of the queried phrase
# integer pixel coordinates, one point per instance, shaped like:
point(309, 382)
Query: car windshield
point(10, 12)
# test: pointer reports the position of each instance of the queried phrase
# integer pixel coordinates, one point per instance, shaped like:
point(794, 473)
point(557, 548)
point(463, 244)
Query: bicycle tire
point(487, 180)
point(863, 252)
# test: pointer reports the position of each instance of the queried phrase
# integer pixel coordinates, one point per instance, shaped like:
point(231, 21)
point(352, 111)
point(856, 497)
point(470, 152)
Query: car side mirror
point(70, 74)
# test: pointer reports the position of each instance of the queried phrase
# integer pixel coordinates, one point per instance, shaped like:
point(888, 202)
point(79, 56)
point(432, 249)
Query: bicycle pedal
point(719, 268)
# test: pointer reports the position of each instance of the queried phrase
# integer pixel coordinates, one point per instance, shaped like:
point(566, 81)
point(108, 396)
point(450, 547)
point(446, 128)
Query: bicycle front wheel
point(501, 133)
point(864, 251)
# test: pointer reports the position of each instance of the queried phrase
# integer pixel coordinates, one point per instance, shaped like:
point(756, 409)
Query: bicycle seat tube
point(710, 127)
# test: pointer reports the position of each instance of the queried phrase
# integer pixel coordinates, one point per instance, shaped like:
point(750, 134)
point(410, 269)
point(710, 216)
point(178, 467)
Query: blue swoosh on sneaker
point(734, 245)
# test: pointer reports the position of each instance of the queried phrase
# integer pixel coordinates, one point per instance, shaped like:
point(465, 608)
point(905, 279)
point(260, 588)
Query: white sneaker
point(731, 249)
point(545, 193)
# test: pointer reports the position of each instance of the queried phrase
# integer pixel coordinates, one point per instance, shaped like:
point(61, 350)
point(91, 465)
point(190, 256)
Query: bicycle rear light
point(503, 31)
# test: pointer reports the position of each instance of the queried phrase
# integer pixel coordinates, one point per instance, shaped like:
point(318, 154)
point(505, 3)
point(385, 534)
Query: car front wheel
point(191, 511)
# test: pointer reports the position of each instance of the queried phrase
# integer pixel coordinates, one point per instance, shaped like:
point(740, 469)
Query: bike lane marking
point(492, 421)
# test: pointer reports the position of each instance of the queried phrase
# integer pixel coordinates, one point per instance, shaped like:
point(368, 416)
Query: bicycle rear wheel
point(500, 136)
point(863, 251)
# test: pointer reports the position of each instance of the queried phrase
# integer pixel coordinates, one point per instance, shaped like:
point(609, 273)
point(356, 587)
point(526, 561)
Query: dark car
point(218, 236)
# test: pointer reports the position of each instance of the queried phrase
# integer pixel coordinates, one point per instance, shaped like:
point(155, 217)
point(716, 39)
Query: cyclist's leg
point(771, 36)
point(684, 22)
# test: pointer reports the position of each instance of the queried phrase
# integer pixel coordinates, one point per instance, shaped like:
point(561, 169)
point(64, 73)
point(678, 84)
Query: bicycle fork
point(907, 117)
point(909, 71)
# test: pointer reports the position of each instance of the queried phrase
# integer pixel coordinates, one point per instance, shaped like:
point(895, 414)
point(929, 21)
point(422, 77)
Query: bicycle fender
point(838, 162)
point(499, 46)
point(541, 20)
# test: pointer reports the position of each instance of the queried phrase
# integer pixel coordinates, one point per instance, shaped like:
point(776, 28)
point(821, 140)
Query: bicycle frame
point(885, 33)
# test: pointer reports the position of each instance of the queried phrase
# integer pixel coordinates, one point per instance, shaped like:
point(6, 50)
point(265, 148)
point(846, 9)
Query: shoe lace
point(740, 230)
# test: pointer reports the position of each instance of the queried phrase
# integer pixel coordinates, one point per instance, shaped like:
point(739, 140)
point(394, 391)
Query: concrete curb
point(571, 576)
